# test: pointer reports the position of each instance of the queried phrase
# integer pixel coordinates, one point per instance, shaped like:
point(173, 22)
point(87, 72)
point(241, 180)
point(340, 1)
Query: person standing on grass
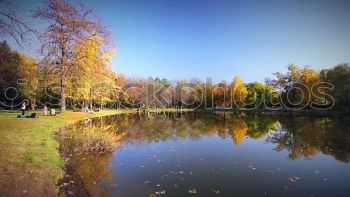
point(24, 105)
point(45, 109)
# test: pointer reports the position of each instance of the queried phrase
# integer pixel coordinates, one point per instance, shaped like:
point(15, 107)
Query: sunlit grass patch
point(29, 157)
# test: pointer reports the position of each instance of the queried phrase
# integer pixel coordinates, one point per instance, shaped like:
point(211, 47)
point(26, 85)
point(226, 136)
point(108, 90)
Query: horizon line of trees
point(74, 70)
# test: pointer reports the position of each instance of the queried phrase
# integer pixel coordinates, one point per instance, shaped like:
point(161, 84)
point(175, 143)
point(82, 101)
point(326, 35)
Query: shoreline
point(30, 162)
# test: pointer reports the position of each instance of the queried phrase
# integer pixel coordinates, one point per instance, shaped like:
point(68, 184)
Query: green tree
point(339, 76)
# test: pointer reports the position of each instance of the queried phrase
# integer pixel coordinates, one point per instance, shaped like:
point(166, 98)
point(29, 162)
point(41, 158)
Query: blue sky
point(220, 39)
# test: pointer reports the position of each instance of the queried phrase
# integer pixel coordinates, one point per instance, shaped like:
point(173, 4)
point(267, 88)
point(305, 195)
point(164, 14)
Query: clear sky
point(220, 39)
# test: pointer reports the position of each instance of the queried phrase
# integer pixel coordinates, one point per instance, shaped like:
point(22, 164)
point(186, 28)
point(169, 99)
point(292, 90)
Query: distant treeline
point(74, 70)
point(22, 77)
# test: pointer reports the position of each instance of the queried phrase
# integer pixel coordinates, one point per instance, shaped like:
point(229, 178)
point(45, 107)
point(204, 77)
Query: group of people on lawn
point(51, 111)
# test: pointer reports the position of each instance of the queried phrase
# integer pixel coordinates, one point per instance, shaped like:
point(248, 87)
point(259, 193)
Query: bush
point(89, 139)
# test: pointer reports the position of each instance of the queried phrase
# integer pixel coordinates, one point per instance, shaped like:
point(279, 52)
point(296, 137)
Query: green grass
point(30, 163)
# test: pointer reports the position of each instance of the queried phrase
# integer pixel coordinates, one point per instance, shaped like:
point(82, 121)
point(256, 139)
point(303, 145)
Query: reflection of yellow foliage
point(91, 168)
point(310, 150)
point(238, 130)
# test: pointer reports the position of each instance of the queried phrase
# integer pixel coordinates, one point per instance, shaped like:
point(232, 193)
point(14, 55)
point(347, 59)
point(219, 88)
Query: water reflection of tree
point(94, 172)
point(162, 127)
point(301, 136)
point(305, 136)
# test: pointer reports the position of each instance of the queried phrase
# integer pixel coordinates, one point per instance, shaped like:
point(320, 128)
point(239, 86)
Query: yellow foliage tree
point(92, 67)
point(29, 74)
point(239, 92)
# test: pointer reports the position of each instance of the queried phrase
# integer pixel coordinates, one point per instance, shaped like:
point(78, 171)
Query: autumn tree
point(260, 95)
point(13, 24)
point(9, 62)
point(29, 72)
point(296, 86)
point(93, 55)
point(239, 92)
point(339, 77)
point(67, 25)
point(220, 95)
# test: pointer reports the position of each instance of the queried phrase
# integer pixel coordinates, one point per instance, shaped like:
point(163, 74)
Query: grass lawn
point(30, 164)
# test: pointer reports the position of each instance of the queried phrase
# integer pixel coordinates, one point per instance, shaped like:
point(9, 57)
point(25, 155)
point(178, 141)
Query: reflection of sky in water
point(217, 166)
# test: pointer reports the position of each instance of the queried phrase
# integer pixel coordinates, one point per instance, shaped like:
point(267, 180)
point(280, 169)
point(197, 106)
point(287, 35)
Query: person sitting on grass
point(45, 110)
point(52, 112)
point(87, 110)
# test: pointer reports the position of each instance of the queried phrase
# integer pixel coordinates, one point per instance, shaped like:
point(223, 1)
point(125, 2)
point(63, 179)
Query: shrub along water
point(75, 139)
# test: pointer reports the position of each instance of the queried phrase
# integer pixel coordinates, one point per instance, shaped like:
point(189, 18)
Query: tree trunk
point(63, 96)
point(32, 104)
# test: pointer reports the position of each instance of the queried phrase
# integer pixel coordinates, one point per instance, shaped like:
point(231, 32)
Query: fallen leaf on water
point(153, 195)
point(173, 150)
point(175, 185)
point(250, 166)
point(292, 180)
point(192, 191)
point(215, 191)
point(162, 192)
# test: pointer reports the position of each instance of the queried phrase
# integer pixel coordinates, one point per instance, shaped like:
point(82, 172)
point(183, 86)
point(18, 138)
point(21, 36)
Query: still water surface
point(216, 154)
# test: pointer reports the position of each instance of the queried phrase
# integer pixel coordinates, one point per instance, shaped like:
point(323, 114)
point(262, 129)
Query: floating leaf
point(192, 191)
point(153, 195)
point(215, 191)
point(292, 180)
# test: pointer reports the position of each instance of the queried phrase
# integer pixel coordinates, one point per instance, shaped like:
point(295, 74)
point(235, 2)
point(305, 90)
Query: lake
point(215, 154)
